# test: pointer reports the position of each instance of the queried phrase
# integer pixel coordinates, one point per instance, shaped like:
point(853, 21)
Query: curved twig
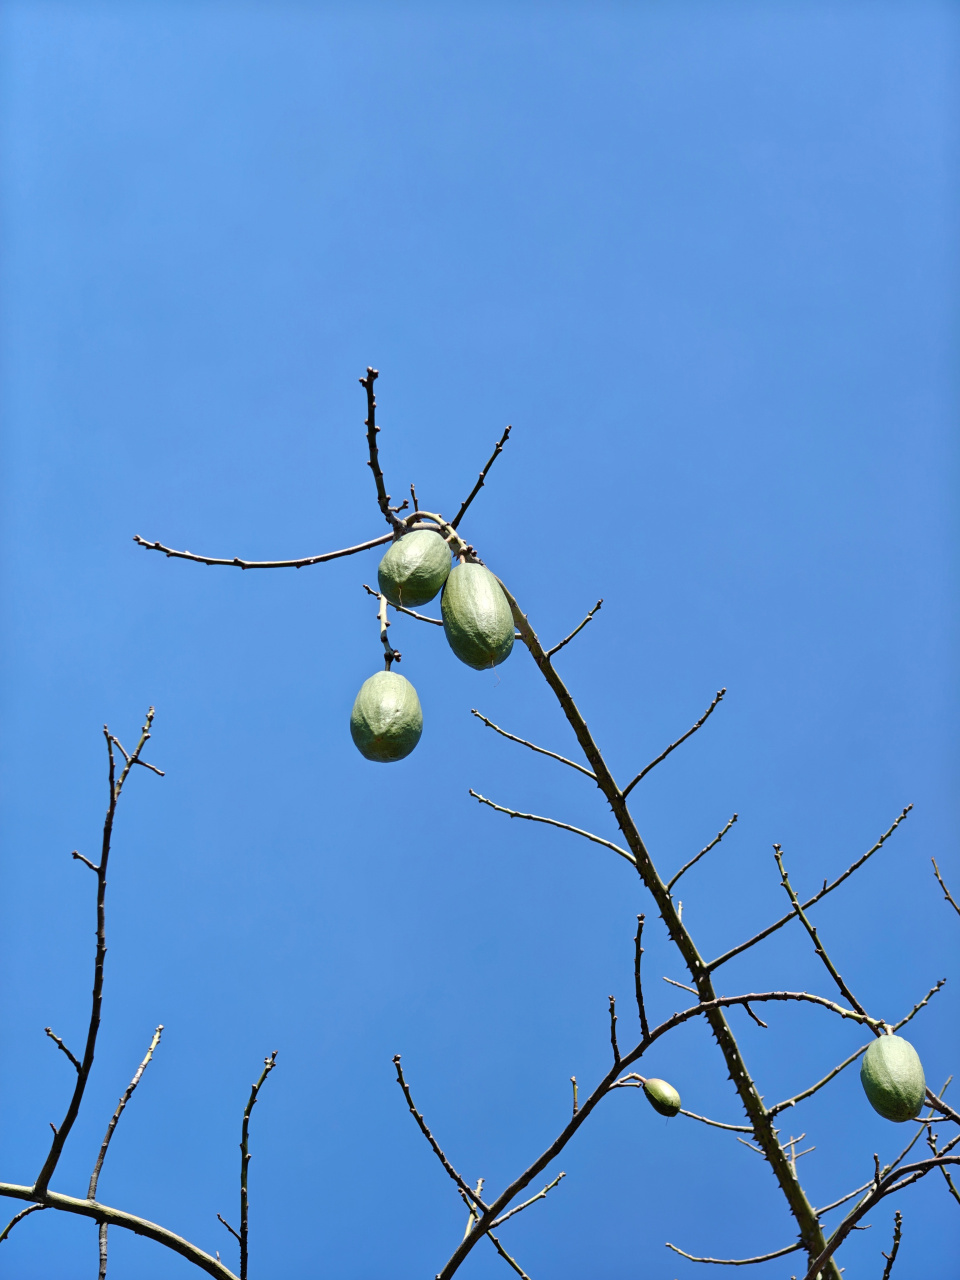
point(673, 745)
point(552, 822)
point(706, 849)
point(739, 1262)
point(236, 563)
point(524, 743)
point(498, 449)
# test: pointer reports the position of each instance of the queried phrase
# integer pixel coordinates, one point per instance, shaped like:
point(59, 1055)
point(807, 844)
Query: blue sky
point(703, 258)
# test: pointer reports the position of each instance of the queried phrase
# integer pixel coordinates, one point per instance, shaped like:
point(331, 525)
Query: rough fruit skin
point(892, 1078)
point(476, 617)
point(662, 1097)
point(386, 720)
point(414, 568)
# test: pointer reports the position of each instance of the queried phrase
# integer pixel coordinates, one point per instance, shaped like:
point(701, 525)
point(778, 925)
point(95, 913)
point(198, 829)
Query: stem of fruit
point(761, 1121)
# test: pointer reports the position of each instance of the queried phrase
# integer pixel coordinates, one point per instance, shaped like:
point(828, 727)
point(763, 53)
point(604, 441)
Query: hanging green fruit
point(662, 1097)
point(476, 617)
point(892, 1078)
point(415, 568)
point(386, 720)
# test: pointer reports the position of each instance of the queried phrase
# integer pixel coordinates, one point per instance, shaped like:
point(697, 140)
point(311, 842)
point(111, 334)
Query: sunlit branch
point(19, 1217)
point(552, 822)
point(400, 608)
point(62, 1047)
point(526, 1204)
point(236, 563)
point(533, 747)
point(948, 897)
point(673, 745)
point(706, 849)
point(891, 1257)
point(576, 631)
point(127, 1095)
point(498, 449)
point(740, 1262)
point(716, 1124)
point(268, 1064)
point(638, 985)
point(472, 1196)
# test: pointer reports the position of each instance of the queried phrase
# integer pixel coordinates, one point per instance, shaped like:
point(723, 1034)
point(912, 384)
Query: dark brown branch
point(891, 1257)
point(552, 822)
point(127, 1095)
point(827, 888)
point(472, 1196)
point(498, 449)
point(938, 1104)
point(390, 654)
point(19, 1217)
point(235, 1234)
point(932, 1144)
point(946, 892)
point(103, 1213)
point(673, 745)
point(236, 563)
point(115, 789)
point(613, 1031)
point(638, 986)
point(63, 1048)
point(86, 861)
point(524, 743)
point(817, 944)
point(383, 498)
point(268, 1064)
point(706, 849)
point(576, 631)
point(400, 608)
point(740, 1262)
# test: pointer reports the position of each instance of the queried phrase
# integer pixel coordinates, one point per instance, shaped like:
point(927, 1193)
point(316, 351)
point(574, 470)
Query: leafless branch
point(613, 1031)
point(390, 654)
point(524, 743)
point(127, 1095)
point(526, 1204)
point(63, 1048)
point(716, 1124)
point(946, 892)
point(682, 985)
point(576, 631)
point(19, 1217)
point(638, 986)
point(740, 1262)
point(86, 861)
point(673, 745)
point(498, 449)
point(552, 822)
point(268, 1064)
point(932, 1144)
point(235, 1234)
point(236, 563)
point(472, 1196)
point(506, 1256)
point(401, 608)
point(891, 1257)
point(706, 849)
point(383, 498)
point(827, 888)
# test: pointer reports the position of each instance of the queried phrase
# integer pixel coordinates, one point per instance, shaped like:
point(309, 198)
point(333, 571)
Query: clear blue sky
point(704, 258)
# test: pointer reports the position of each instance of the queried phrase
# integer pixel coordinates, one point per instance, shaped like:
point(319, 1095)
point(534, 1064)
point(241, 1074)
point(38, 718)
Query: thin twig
point(506, 1256)
point(390, 654)
point(383, 498)
point(552, 822)
point(827, 888)
point(127, 1095)
point(235, 1234)
point(638, 986)
point(576, 1096)
point(103, 1243)
point(740, 1262)
point(498, 449)
point(932, 1144)
point(63, 1048)
point(401, 608)
point(891, 1257)
point(706, 849)
point(735, 1128)
point(946, 892)
point(268, 1064)
point(576, 631)
point(817, 944)
point(673, 745)
point(115, 789)
point(524, 743)
point(682, 985)
point(236, 563)
point(86, 861)
point(613, 1031)
point(19, 1217)
point(526, 1204)
point(422, 1124)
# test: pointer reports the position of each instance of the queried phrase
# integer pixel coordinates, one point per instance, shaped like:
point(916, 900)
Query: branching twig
point(673, 745)
point(464, 1186)
point(706, 849)
point(552, 822)
point(638, 986)
point(740, 1262)
point(63, 1048)
point(127, 1095)
point(268, 1065)
point(946, 892)
point(576, 631)
point(891, 1257)
point(524, 743)
point(827, 888)
point(498, 449)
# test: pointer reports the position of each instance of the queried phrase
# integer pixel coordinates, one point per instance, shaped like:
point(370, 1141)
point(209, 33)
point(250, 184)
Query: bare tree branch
point(740, 1262)
point(613, 1031)
point(524, 743)
point(383, 498)
point(891, 1257)
point(946, 892)
point(706, 849)
point(236, 563)
point(638, 986)
point(235, 1234)
point(401, 608)
point(127, 1095)
point(19, 1217)
point(552, 822)
point(63, 1048)
point(526, 1204)
point(498, 449)
point(673, 745)
point(576, 631)
point(506, 1256)
point(716, 1124)
point(268, 1064)
point(472, 1196)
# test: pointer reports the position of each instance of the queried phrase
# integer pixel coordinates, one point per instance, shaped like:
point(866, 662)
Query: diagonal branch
point(891, 1257)
point(740, 1262)
point(498, 449)
point(236, 563)
point(526, 1204)
point(471, 1195)
point(524, 743)
point(673, 745)
point(63, 1048)
point(948, 897)
point(827, 888)
point(127, 1095)
point(506, 1257)
point(706, 849)
point(235, 1234)
point(552, 822)
point(19, 1217)
point(576, 631)
point(400, 608)
point(735, 1128)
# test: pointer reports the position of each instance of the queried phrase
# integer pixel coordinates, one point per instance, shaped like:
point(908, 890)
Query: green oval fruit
point(662, 1097)
point(476, 617)
point(892, 1078)
point(386, 720)
point(415, 568)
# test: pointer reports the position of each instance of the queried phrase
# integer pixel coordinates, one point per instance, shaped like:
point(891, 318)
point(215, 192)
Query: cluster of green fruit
point(386, 721)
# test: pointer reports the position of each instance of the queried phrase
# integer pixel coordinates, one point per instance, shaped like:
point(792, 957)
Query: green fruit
point(662, 1097)
point(415, 568)
point(892, 1078)
point(386, 720)
point(476, 617)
